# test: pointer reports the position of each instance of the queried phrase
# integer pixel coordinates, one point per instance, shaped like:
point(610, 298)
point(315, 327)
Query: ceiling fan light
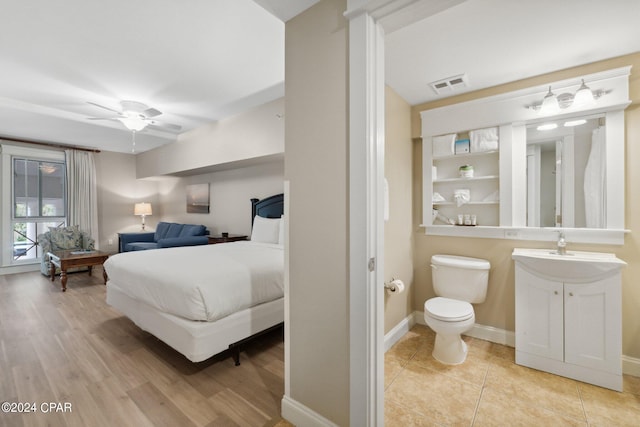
point(584, 96)
point(550, 104)
point(133, 123)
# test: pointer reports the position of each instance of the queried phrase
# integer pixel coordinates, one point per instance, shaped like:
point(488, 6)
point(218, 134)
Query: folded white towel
point(462, 196)
point(444, 145)
point(437, 197)
point(484, 139)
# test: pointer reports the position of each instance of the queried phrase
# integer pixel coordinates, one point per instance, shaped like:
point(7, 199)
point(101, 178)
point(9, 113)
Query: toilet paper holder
point(390, 285)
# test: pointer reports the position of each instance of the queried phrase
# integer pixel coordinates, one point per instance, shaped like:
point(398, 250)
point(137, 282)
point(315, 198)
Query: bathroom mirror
point(566, 169)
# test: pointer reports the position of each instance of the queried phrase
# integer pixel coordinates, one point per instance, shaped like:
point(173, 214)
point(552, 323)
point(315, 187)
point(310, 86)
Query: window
point(38, 203)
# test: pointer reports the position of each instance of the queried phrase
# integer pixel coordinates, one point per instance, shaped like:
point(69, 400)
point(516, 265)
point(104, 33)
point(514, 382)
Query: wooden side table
point(226, 238)
point(70, 259)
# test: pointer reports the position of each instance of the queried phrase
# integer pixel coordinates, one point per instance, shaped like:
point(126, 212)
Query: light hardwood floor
point(73, 348)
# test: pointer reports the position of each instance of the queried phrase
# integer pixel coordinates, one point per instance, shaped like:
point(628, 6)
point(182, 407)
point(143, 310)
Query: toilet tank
point(460, 278)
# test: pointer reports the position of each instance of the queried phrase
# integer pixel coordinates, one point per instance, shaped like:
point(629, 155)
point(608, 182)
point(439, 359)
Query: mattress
point(203, 283)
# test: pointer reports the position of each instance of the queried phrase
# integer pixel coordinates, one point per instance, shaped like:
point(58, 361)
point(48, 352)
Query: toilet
point(457, 281)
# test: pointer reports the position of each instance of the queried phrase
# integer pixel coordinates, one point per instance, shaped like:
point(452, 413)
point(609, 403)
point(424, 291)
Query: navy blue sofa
point(167, 235)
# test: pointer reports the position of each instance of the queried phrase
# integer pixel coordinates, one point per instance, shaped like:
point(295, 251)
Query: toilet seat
point(448, 310)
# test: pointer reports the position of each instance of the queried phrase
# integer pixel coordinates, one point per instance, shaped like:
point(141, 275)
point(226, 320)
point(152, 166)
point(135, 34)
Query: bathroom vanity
point(569, 314)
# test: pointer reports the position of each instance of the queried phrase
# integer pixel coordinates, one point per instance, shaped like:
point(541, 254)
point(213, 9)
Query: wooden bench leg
point(63, 279)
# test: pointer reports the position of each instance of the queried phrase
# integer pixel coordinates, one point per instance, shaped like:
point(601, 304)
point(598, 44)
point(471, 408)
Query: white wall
point(241, 157)
point(229, 196)
point(398, 230)
point(316, 166)
point(118, 190)
point(254, 134)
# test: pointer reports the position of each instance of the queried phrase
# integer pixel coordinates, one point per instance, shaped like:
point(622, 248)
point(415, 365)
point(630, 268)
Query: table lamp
point(142, 209)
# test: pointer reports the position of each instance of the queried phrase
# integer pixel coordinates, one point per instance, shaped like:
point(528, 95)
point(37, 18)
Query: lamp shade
point(584, 96)
point(550, 104)
point(142, 209)
point(133, 123)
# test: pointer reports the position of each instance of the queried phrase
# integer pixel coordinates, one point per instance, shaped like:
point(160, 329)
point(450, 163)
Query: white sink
point(574, 266)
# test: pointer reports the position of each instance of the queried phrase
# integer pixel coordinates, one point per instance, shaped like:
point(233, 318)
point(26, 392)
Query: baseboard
point(398, 331)
point(299, 415)
point(14, 269)
point(630, 365)
point(487, 333)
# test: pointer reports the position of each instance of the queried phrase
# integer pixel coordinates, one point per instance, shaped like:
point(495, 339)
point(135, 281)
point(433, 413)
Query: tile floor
point(489, 389)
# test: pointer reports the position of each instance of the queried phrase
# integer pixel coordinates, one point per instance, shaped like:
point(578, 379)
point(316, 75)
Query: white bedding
point(205, 282)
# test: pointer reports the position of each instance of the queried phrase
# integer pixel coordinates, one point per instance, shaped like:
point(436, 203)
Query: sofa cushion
point(63, 238)
point(192, 230)
point(141, 246)
point(174, 230)
point(171, 242)
point(161, 230)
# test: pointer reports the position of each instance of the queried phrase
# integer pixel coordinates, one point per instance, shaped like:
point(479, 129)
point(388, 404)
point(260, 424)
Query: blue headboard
point(271, 207)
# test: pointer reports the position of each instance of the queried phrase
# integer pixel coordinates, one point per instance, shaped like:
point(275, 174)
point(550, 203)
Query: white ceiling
point(499, 41)
point(203, 60)
point(196, 61)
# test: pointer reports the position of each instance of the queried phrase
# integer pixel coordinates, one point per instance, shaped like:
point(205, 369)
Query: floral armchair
point(62, 238)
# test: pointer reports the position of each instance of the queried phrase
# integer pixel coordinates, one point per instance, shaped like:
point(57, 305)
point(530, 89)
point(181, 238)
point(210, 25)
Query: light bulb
point(133, 121)
point(583, 97)
point(547, 126)
point(572, 123)
point(549, 104)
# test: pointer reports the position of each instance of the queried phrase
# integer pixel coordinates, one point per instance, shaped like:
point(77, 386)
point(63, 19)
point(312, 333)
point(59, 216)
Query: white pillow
point(281, 234)
point(265, 230)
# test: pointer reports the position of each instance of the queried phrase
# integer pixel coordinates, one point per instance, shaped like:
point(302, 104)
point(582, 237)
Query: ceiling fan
point(136, 116)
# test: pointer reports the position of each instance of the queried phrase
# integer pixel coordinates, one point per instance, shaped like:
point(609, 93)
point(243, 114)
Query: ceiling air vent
point(450, 84)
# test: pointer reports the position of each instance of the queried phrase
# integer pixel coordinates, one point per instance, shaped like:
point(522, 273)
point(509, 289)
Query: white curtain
point(82, 202)
point(594, 181)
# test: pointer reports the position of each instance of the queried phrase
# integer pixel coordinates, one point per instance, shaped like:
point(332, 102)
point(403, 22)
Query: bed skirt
point(197, 340)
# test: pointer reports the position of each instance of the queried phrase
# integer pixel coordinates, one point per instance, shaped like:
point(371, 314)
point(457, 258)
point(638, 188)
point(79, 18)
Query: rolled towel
point(484, 139)
point(444, 145)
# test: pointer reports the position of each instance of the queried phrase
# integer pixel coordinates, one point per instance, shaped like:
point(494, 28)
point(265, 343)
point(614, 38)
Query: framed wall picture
point(198, 198)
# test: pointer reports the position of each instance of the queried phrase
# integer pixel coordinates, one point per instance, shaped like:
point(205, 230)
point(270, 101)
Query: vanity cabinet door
point(593, 324)
point(539, 316)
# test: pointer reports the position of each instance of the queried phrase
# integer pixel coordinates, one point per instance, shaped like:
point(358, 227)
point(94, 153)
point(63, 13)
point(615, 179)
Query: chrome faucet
point(562, 244)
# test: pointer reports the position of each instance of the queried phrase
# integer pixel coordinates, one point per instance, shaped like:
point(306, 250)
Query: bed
point(203, 300)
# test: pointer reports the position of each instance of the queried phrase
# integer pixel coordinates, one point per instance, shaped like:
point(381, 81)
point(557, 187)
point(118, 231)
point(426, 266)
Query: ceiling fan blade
point(103, 118)
point(164, 126)
point(106, 108)
point(151, 112)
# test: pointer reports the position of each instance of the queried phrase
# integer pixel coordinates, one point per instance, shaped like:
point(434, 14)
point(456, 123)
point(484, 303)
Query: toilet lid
point(448, 310)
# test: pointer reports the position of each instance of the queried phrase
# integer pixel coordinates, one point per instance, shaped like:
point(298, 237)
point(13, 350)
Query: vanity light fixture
point(547, 126)
point(552, 104)
point(584, 96)
point(572, 123)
